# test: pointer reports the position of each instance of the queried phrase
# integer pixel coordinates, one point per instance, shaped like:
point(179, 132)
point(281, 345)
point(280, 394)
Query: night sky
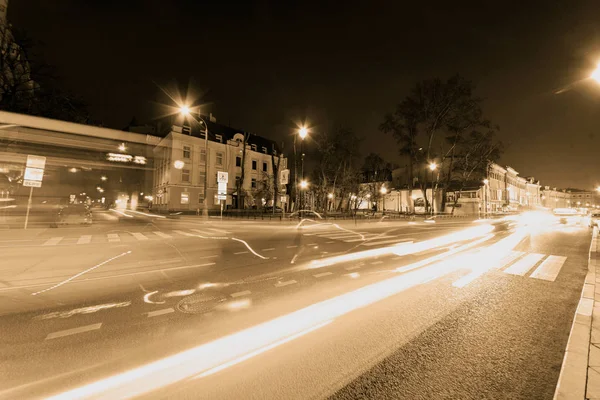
point(262, 66)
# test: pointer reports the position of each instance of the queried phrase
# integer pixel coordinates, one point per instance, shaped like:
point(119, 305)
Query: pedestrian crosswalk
point(132, 236)
point(367, 239)
point(520, 263)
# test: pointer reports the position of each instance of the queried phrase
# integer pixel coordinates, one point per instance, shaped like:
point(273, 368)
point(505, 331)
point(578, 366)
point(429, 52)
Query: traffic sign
point(221, 197)
point(222, 176)
point(284, 176)
point(36, 161)
point(29, 183)
point(222, 188)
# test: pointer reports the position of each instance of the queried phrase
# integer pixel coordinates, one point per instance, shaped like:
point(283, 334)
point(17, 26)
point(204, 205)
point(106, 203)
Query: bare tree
point(240, 182)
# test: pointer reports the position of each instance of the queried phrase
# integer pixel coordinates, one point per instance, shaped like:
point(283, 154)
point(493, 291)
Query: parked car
point(73, 214)
point(594, 219)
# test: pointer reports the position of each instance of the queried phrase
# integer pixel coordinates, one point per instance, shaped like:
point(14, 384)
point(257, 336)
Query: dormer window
point(253, 147)
point(219, 138)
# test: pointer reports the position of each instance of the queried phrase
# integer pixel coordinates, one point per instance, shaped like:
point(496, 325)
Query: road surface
point(193, 309)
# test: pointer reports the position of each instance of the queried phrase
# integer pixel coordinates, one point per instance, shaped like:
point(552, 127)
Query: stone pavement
point(580, 374)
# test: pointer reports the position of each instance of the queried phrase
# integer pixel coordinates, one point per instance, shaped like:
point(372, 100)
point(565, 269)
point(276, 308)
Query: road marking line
point(242, 293)
point(171, 269)
point(352, 267)
point(549, 269)
point(376, 262)
point(241, 252)
point(53, 241)
point(113, 237)
point(291, 247)
point(322, 274)
point(74, 331)
point(331, 241)
point(524, 264)
point(160, 312)
point(281, 284)
point(377, 242)
point(139, 236)
point(343, 235)
point(508, 259)
point(162, 235)
point(367, 238)
point(183, 233)
point(84, 239)
point(312, 244)
point(269, 249)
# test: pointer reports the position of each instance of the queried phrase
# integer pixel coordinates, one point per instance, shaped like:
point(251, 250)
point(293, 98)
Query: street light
point(432, 167)
point(178, 164)
point(485, 192)
point(303, 133)
point(185, 111)
point(598, 189)
point(103, 178)
point(122, 147)
point(383, 191)
point(596, 74)
point(303, 184)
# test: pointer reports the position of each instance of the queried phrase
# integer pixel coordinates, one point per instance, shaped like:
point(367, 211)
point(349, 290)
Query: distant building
point(180, 189)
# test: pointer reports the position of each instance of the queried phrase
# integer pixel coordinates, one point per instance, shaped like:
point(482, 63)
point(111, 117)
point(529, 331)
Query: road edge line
point(572, 380)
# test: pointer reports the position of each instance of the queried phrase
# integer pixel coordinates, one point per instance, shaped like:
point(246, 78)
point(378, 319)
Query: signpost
point(34, 174)
point(222, 179)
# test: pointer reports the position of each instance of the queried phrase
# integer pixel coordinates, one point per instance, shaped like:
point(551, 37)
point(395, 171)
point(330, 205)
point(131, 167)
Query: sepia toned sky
point(264, 66)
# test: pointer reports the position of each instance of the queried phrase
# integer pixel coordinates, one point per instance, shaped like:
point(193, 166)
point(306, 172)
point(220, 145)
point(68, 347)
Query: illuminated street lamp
point(330, 195)
point(432, 167)
point(383, 191)
point(303, 132)
point(596, 74)
point(73, 170)
point(485, 192)
point(103, 178)
point(303, 184)
point(178, 164)
point(122, 147)
point(598, 189)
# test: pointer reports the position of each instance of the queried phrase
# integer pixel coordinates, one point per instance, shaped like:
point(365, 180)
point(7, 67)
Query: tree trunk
point(240, 191)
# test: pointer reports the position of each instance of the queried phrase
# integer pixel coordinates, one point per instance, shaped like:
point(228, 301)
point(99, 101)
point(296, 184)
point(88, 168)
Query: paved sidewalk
point(580, 373)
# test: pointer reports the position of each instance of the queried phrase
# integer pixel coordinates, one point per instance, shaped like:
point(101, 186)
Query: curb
point(573, 377)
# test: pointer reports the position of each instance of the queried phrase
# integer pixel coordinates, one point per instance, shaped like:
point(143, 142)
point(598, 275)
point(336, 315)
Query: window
point(265, 167)
point(219, 138)
point(185, 175)
point(187, 152)
point(254, 165)
point(186, 130)
point(202, 177)
point(253, 183)
point(253, 147)
point(264, 149)
point(185, 198)
point(219, 158)
point(203, 155)
point(238, 161)
point(201, 197)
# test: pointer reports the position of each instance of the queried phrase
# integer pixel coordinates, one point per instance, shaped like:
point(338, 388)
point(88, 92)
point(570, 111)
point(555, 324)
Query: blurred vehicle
point(73, 214)
point(594, 219)
point(567, 216)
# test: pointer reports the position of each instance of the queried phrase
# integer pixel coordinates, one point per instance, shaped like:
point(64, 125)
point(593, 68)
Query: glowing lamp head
point(103, 178)
point(330, 195)
point(303, 132)
point(432, 166)
point(596, 74)
point(303, 184)
point(368, 195)
point(178, 164)
point(383, 190)
point(184, 110)
point(486, 181)
point(122, 147)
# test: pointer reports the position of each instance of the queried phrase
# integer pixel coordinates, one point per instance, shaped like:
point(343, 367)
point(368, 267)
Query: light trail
point(240, 346)
point(319, 224)
point(121, 213)
point(81, 273)
point(146, 214)
point(250, 248)
point(147, 298)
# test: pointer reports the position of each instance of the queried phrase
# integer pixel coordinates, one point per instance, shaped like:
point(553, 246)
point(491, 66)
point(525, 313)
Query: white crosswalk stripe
point(524, 264)
point(549, 269)
point(183, 233)
point(53, 241)
point(508, 259)
point(388, 241)
point(113, 237)
point(162, 235)
point(84, 239)
point(139, 236)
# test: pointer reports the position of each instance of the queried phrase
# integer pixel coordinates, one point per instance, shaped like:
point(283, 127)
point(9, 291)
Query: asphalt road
point(271, 311)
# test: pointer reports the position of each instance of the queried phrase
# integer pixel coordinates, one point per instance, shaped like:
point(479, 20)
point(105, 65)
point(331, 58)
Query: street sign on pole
point(34, 174)
point(284, 176)
point(284, 199)
point(221, 197)
point(222, 187)
point(222, 176)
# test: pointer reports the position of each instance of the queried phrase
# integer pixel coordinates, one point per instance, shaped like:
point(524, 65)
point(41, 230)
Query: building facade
point(182, 164)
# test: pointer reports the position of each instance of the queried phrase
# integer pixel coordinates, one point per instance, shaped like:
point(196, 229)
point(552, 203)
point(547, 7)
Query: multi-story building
point(182, 163)
point(554, 198)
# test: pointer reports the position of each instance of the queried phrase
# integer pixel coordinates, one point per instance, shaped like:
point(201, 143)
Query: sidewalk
point(580, 373)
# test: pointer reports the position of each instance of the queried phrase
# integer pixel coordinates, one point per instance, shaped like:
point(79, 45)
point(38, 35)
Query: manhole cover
point(199, 302)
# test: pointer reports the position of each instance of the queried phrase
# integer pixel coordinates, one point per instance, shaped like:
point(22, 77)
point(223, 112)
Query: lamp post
point(432, 167)
point(485, 194)
point(185, 111)
point(383, 192)
point(303, 187)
